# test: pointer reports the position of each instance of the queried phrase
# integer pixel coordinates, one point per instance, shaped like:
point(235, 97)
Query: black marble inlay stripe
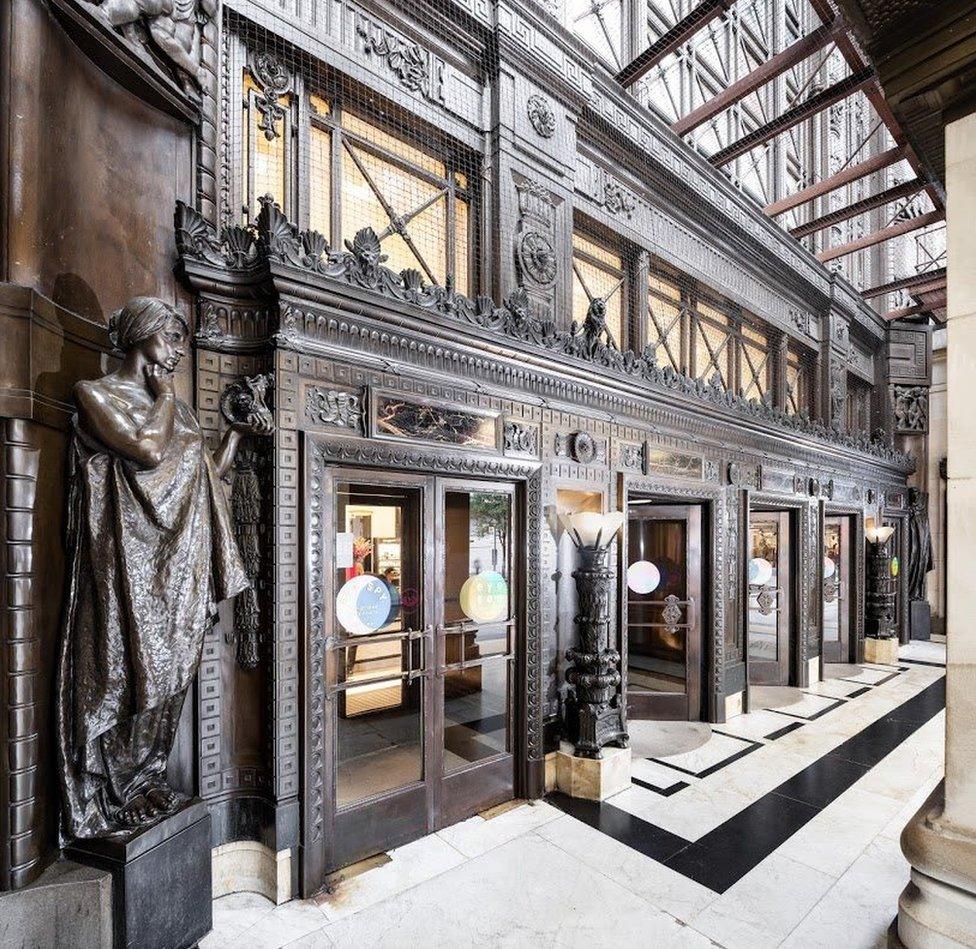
point(723, 856)
point(922, 662)
point(640, 835)
point(664, 792)
point(837, 703)
point(860, 691)
point(785, 730)
point(724, 763)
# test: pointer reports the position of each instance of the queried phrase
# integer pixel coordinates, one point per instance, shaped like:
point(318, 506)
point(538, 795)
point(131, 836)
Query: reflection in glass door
point(836, 589)
point(662, 609)
point(770, 595)
point(476, 648)
point(420, 656)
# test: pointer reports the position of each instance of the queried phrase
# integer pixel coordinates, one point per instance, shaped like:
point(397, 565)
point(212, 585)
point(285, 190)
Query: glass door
point(662, 609)
point(476, 647)
point(770, 597)
point(836, 589)
point(420, 656)
point(378, 663)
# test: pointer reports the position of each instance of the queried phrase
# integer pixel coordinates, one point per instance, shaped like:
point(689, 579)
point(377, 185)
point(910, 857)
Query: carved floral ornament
point(272, 77)
point(275, 240)
point(541, 115)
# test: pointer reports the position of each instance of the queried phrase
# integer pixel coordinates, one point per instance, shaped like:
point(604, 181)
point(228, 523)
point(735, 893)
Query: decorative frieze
point(277, 241)
point(617, 199)
point(416, 69)
point(746, 476)
point(631, 456)
point(911, 408)
point(335, 408)
point(519, 439)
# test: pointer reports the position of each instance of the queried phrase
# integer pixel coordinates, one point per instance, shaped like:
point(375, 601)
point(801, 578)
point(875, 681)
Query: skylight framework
point(776, 95)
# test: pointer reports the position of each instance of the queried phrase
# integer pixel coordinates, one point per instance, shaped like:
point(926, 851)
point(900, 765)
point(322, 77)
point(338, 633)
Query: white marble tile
point(765, 905)
point(923, 651)
point(476, 835)
point(871, 676)
point(858, 910)
point(835, 688)
point(526, 893)
point(239, 911)
point(717, 749)
point(658, 884)
point(807, 707)
point(910, 765)
point(691, 813)
point(838, 835)
point(661, 776)
point(409, 865)
point(284, 924)
point(755, 725)
point(320, 939)
point(910, 808)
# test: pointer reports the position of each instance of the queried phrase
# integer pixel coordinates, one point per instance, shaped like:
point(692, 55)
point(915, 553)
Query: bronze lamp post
point(597, 719)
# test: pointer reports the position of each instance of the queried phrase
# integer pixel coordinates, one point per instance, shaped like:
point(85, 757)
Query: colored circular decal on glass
point(894, 566)
point(363, 604)
point(760, 571)
point(484, 597)
point(643, 576)
point(830, 568)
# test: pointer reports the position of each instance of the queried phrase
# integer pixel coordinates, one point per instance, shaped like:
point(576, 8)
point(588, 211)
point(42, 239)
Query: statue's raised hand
point(160, 380)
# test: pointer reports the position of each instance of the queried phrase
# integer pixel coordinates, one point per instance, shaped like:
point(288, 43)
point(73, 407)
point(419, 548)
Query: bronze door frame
point(684, 706)
point(391, 818)
point(779, 671)
point(841, 650)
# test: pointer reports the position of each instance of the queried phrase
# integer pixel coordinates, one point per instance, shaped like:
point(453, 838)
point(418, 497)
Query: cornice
point(301, 265)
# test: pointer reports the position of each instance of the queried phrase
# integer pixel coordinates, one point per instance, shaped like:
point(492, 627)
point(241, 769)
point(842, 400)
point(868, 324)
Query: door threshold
point(502, 808)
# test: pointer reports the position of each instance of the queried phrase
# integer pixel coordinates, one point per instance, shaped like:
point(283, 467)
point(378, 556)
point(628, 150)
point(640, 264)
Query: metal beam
point(677, 36)
point(859, 207)
point(762, 74)
point(817, 103)
point(826, 10)
point(851, 173)
point(878, 237)
point(935, 278)
point(904, 312)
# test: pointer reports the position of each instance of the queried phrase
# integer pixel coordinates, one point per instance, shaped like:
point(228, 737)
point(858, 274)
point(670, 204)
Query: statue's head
point(154, 328)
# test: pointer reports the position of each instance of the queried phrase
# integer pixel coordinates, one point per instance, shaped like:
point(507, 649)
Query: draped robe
point(152, 552)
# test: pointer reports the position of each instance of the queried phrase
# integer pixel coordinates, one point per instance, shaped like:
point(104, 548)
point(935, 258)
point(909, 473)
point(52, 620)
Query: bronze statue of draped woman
point(152, 552)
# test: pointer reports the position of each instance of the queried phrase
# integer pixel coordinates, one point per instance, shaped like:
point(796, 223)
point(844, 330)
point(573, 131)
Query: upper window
point(598, 273)
point(704, 336)
point(364, 173)
point(799, 382)
point(858, 406)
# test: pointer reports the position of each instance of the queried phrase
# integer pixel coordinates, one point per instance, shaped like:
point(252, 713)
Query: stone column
point(938, 907)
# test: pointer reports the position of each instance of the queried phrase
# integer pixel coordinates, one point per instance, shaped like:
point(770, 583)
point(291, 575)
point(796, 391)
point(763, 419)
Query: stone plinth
point(594, 779)
point(883, 651)
point(69, 906)
point(161, 880)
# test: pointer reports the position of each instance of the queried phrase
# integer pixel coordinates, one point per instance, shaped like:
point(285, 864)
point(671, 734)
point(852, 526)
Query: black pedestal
point(161, 883)
point(920, 619)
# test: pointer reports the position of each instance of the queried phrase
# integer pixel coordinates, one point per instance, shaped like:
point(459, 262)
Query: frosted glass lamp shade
point(589, 529)
point(879, 535)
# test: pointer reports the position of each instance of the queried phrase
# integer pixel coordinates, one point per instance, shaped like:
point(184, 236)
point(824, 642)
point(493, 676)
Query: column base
point(882, 651)
point(937, 910)
point(593, 779)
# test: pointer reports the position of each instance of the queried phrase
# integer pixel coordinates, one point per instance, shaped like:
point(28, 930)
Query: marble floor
point(780, 830)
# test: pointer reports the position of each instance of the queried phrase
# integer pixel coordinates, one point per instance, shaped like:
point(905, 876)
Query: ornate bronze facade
point(331, 329)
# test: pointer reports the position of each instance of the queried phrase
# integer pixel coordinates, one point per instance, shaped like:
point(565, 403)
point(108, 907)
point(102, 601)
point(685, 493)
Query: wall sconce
point(595, 718)
point(878, 533)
